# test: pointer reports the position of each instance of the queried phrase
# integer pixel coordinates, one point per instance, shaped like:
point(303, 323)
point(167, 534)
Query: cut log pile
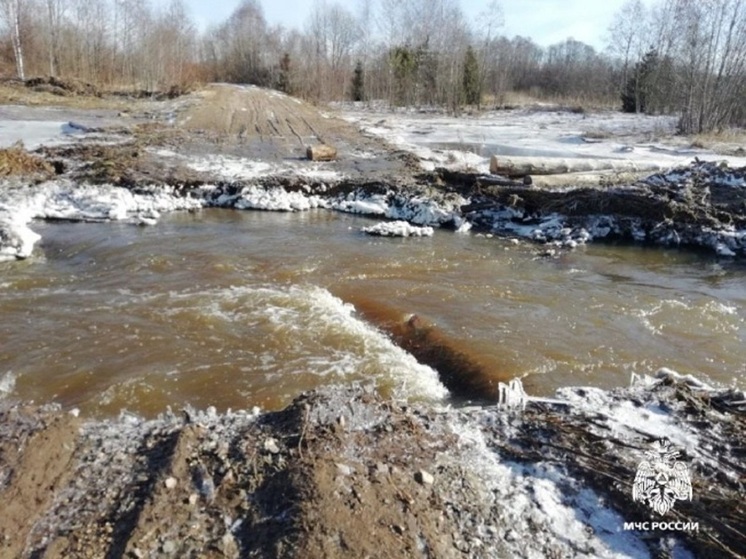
point(561, 172)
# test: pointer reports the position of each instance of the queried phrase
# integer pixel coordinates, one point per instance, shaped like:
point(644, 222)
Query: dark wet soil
point(345, 473)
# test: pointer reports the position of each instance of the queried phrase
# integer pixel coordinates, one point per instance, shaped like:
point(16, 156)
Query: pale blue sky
point(545, 21)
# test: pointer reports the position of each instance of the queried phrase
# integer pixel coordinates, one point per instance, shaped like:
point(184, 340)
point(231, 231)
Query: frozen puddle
point(34, 133)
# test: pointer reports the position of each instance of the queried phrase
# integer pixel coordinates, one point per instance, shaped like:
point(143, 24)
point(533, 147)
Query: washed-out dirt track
point(345, 473)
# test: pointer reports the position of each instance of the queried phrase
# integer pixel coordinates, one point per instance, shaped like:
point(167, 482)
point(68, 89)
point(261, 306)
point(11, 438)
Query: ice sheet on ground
point(36, 133)
point(547, 507)
point(467, 142)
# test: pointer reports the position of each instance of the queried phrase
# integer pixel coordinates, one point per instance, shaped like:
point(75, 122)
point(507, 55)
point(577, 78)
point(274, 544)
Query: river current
point(241, 309)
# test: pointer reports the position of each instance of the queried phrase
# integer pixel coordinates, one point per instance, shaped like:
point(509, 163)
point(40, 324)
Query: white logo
point(662, 480)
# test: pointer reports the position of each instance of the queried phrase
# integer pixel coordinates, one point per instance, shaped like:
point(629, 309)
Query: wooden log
point(322, 152)
point(571, 180)
point(522, 166)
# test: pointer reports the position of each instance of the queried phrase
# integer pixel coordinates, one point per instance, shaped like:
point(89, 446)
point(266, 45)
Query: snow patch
point(275, 199)
point(547, 507)
point(17, 240)
point(398, 229)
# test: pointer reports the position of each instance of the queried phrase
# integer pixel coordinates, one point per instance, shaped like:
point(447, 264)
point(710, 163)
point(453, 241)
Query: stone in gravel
point(424, 478)
point(171, 483)
point(344, 469)
point(169, 546)
point(193, 498)
point(270, 445)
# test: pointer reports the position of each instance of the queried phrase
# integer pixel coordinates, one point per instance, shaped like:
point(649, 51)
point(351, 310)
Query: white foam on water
point(17, 240)
point(7, 384)
point(647, 314)
point(710, 317)
point(307, 330)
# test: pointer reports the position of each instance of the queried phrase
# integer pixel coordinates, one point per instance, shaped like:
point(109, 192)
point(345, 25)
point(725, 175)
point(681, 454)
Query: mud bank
point(701, 206)
point(344, 473)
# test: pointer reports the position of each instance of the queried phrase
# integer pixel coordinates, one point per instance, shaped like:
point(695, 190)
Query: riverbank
point(343, 472)
point(243, 148)
point(354, 471)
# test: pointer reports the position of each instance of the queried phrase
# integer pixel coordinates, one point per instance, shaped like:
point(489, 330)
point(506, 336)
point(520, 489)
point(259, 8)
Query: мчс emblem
point(662, 480)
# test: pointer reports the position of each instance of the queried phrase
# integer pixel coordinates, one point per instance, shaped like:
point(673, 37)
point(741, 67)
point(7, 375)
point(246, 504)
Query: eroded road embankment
point(702, 205)
point(345, 473)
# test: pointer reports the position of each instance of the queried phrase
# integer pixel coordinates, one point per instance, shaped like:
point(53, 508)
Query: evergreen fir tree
point(283, 81)
point(358, 82)
point(471, 86)
point(638, 91)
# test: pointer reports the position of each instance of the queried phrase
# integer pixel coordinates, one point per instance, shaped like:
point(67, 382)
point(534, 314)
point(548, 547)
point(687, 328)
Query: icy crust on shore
point(553, 479)
point(418, 205)
point(65, 200)
point(573, 499)
point(713, 173)
point(17, 240)
point(398, 229)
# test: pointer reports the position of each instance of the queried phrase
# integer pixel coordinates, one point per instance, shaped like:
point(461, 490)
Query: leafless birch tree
point(11, 12)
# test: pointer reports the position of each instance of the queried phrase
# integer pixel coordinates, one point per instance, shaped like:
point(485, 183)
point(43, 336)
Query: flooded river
point(241, 309)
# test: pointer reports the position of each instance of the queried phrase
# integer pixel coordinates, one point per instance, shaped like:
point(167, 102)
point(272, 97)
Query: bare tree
point(709, 51)
point(488, 25)
point(55, 14)
point(629, 36)
point(10, 10)
point(334, 32)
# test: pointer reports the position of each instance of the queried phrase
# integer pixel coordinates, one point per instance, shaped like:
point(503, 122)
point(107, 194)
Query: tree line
point(686, 57)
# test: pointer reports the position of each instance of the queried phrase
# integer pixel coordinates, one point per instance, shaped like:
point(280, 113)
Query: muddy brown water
point(237, 309)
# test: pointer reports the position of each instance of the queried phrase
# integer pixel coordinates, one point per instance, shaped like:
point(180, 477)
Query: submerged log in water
point(460, 372)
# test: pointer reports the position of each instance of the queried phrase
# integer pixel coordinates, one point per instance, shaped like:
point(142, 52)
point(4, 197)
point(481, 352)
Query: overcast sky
point(545, 21)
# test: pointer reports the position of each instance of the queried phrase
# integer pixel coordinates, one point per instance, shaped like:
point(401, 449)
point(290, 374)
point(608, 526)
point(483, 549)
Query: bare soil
point(339, 473)
point(252, 112)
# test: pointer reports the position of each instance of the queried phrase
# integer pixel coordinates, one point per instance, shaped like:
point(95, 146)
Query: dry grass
point(731, 141)
point(527, 100)
point(20, 95)
point(74, 95)
point(17, 161)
